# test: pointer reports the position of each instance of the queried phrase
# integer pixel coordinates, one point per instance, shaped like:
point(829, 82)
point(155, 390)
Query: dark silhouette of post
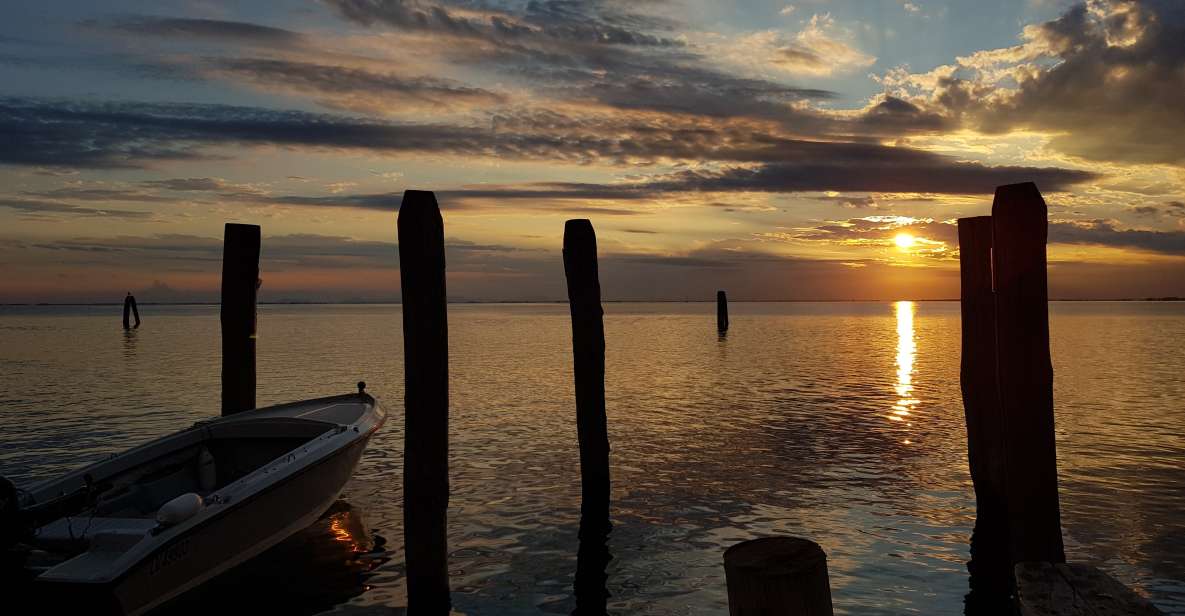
point(990, 566)
point(240, 282)
point(721, 311)
point(130, 309)
point(588, 352)
point(425, 366)
point(1025, 373)
point(786, 576)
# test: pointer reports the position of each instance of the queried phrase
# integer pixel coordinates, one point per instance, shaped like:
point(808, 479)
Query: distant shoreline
point(607, 301)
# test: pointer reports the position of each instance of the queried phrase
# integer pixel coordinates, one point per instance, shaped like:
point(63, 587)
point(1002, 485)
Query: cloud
point(821, 48)
point(1104, 233)
point(189, 184)
point(1103, 80)
point(114, 135)
point(212, 30)
point(352, 88)
point(548, 25)
point(43, 208)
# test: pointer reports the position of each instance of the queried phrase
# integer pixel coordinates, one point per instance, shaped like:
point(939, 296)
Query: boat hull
point(243, 531)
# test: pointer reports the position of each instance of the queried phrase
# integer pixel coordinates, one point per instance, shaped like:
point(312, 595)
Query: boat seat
point(108, 532)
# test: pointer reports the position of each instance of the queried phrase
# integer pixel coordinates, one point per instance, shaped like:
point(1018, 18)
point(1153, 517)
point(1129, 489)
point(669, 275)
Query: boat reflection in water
point(312, 571)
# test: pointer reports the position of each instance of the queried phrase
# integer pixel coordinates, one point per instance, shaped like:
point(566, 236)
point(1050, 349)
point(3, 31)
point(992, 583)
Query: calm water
point(837, 422)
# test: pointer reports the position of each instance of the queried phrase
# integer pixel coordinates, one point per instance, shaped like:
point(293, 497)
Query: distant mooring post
point(588, 353)
point(721, 311)
point(425, 366)
point(786, 576)
point(130, 309)
point(1007, 381)
point(240, 283)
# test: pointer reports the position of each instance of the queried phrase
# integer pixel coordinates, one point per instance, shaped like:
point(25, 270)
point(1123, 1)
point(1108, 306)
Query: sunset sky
point(773, 149)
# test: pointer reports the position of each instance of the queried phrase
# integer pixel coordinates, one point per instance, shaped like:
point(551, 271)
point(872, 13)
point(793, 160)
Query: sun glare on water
point(904, 240)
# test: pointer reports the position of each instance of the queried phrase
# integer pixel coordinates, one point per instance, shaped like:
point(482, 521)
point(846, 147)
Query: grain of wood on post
point(1025, 373)
point(784, 576)
point(981, 403)
point(1046, 589)
point(425, 453)
point(240, 283)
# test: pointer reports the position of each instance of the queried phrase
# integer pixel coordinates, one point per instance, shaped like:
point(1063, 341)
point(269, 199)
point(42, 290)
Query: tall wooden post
point(588, 351)
point(425, 366)
point(721, 311)
point(240, 281)
point(786, 576)
point(1025, 372)
point(990, 566)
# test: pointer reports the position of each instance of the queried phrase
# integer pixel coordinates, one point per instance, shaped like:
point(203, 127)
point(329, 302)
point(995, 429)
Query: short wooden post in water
point(129, 310)
point(1025, 373)
point(240, 282)
point(990, 566)
point(588, 352)
point(721, 311)
point(425, 366)
point(786, 576)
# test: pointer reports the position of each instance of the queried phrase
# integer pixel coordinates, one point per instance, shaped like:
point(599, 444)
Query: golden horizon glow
point(904, 241)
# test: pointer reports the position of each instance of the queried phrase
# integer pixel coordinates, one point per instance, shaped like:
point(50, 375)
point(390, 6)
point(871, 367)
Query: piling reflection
point(592, 558)
point(319, 567)
point(129, 343)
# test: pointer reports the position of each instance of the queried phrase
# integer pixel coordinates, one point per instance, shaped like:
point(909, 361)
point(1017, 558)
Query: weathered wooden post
point(240, 281)
point(425, 368)
point(721, 311)
point(130, 309)
point(990, 565)
point(786, 576)
point(588, 352)
point(1025, 373)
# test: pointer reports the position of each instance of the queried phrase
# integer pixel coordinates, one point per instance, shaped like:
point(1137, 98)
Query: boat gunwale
point(224, 509)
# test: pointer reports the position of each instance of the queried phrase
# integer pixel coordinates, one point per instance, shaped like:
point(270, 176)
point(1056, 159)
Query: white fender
point(179, 509)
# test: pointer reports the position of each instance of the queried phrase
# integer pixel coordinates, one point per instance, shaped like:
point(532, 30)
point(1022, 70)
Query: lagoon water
point(841, 422)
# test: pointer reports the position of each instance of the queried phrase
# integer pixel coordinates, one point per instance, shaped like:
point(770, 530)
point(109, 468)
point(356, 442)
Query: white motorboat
point(131, 532)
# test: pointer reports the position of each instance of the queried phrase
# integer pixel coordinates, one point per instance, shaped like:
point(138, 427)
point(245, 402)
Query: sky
point(779, 150)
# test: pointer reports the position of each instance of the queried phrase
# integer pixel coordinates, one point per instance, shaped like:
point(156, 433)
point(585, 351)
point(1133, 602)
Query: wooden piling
point(1025, 373)
point(786, 576)
point(240, 282)
point(1045, 589)
point(721, 311)
point(588, 352)
point(425, 365)
point(990, 566)
point(129, 310)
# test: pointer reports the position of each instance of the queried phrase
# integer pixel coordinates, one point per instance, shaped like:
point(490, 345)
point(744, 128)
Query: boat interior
point(112, 505)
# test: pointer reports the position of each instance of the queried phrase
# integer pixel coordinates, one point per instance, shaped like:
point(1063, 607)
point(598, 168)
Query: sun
point(904, 240)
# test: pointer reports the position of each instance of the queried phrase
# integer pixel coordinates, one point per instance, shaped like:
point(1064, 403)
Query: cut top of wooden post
point(775, 556)
point(1046, 589)
point(421, 227)
point(1020, 229)
point(580, 265)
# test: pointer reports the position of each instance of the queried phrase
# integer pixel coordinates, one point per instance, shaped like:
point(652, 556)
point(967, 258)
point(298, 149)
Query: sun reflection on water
point(906, 353)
